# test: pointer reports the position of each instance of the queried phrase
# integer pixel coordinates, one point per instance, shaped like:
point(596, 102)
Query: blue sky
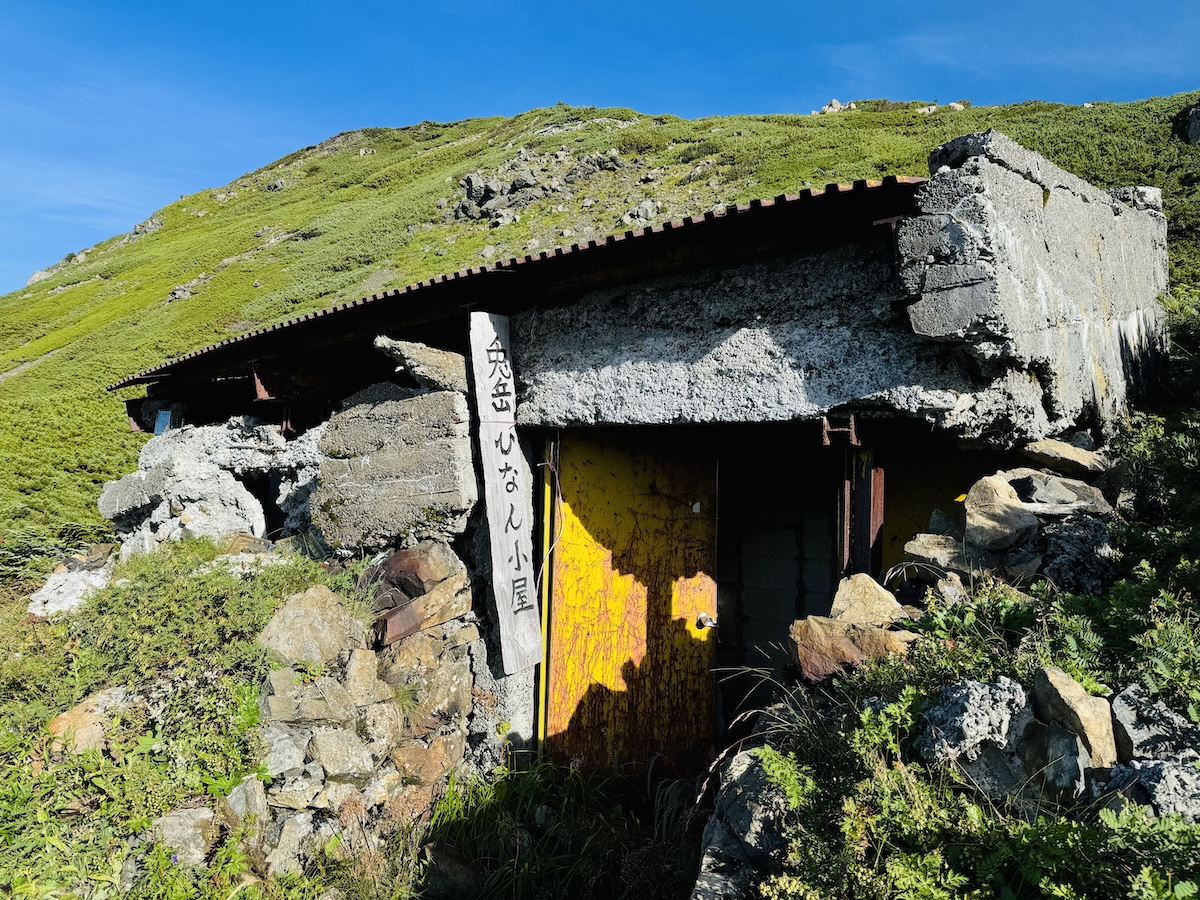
point(109, 111)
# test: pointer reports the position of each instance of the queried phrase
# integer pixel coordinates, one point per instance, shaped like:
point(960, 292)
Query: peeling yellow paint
point(629, 667)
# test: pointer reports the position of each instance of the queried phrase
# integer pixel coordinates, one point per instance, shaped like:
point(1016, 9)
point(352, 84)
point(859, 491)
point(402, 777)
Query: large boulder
point(996, 518)
point(1057, 697)
point(397, 468)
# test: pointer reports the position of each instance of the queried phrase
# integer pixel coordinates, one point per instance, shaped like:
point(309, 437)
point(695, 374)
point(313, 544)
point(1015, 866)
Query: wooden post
point(508, 493)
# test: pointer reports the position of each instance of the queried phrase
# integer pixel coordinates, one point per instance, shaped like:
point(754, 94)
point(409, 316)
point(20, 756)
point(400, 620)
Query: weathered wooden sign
point(508, 493)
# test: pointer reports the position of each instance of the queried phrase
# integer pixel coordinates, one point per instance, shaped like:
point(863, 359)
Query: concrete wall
point(1031, 269)
point(1026, 304)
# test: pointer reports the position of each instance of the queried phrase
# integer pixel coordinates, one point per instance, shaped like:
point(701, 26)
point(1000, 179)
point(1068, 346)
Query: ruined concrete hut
point(721, 416)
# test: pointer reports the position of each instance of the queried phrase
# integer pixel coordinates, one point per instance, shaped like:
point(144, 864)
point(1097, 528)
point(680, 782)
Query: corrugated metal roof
point(741, 211)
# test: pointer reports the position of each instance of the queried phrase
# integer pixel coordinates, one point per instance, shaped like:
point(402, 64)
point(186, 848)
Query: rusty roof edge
point(732, 210)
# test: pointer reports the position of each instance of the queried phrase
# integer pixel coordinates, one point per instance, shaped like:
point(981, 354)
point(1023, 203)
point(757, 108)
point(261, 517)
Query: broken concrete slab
point(437, 370)
point(1076, 276)
point(397, 469)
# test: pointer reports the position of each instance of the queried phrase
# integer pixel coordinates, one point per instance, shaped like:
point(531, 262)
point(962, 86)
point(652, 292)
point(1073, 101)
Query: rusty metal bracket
point(849, 429)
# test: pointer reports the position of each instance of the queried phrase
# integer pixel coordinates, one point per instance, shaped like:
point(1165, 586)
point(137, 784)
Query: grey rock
point(995, 771)
point(592, 163)
point(968, 715)
point(1169, 787)
point(438, 370)
point(1054, 496)
point(743, 841)
point(1080, 555)
point(1192, 129)
point(1066, 458)
point(320, 702)
point(297, 792)
point(342, 755)
point(1057, 697)
point(995, 517)
point(361, 679)
point(1146, 729)
point(725, 871)
point(65, 592)
point(287, 748)
point(398, 468)
point(753, 808)
point(477, 188)
point(334, 794)
point(312, 627)
point(189, 832)
point(246, 806)
point(952, 590)
point(284, 856)
point(860, 599)
point(380, 726)
point(1057, 759)
point(151, 225)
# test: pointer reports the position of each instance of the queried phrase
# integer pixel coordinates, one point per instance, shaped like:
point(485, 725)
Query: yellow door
point(629, 679)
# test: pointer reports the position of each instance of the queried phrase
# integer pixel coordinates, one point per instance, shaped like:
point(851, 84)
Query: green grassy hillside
point(371, 210)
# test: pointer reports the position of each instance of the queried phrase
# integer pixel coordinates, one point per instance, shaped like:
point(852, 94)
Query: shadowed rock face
point(1033, 308)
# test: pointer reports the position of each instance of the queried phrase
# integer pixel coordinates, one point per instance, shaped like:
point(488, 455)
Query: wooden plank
point(630, 663)
point(508, 493)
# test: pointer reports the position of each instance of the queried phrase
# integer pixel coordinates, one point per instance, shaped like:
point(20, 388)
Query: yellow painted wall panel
point(629, 678)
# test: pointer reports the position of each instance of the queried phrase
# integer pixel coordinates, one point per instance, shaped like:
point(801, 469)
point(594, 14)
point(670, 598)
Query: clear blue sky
point(111, 110)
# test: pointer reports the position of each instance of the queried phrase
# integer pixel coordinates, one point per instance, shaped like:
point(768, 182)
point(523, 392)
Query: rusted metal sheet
point(581, 266)
point(864, 526)
point(630, 655)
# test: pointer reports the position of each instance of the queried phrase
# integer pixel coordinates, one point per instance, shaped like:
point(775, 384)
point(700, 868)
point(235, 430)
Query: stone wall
point(1032, 309)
